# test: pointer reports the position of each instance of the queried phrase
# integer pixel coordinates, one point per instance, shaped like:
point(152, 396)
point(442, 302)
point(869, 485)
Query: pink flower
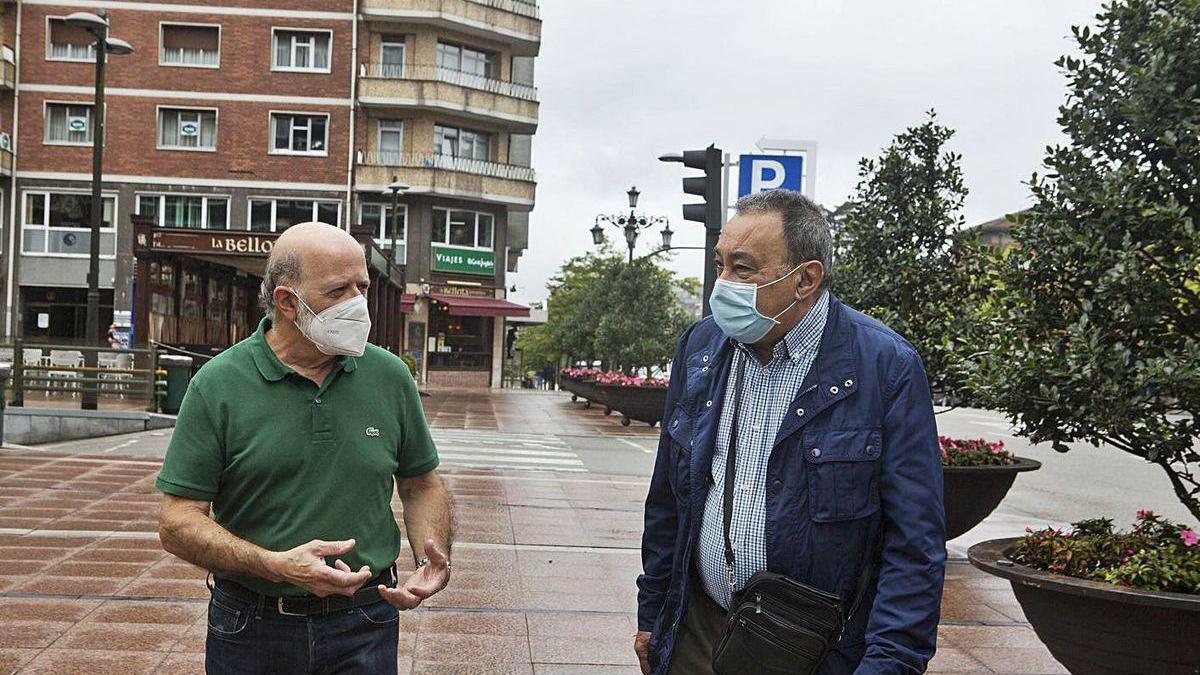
point(1189, 537)
point(1143, 514)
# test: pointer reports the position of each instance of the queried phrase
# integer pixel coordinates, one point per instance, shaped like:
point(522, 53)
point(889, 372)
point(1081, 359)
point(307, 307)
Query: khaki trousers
point(698, 635)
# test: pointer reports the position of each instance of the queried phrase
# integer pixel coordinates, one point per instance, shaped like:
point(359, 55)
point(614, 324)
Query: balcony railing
point(461, 164)
point(522, 7)
point(433, 73)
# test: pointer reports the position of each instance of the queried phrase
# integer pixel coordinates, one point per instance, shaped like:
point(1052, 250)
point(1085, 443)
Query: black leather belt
point(311, 605)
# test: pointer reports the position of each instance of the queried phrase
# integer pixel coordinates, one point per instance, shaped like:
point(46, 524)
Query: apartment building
point(231, 121)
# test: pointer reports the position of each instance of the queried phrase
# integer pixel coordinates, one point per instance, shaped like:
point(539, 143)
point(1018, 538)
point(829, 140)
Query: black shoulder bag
point(776, 624)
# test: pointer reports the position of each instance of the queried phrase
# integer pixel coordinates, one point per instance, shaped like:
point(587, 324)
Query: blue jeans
point(252, 638)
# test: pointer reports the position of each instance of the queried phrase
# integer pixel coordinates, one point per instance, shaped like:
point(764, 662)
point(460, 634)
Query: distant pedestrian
point(298, 437)
point(799, 456)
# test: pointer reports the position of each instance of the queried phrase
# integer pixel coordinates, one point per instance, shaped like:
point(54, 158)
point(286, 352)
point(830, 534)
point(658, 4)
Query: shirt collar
point(805, 336)
point(269, 365)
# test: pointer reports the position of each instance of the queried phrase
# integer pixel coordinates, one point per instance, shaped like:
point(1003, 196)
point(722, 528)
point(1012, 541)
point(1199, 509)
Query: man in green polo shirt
point(296, 438)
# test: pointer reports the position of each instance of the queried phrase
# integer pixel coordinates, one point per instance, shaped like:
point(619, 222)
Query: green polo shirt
point(285, 462)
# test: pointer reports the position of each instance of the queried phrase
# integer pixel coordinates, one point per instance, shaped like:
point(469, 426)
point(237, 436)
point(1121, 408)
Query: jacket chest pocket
point(843, 474)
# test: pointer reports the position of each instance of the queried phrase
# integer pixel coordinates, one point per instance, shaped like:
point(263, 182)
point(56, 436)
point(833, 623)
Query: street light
point(395, 187)
point(97, 25)
point(631, 225)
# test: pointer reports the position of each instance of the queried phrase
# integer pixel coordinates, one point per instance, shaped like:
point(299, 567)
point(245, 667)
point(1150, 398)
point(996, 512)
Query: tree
point(602, 308)
point(643, 317)
point(1098, 320)
point(901, 252)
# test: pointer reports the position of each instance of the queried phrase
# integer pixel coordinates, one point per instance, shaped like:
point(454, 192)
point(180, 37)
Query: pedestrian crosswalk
point(494, 450)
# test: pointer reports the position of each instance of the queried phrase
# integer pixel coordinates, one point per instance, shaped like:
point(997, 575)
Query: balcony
point(449, 177)
point(6, 161)
point(514, 22)
point(386, 85)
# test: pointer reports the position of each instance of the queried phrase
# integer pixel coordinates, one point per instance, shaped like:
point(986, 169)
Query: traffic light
point(707, 186)
point(711, 211)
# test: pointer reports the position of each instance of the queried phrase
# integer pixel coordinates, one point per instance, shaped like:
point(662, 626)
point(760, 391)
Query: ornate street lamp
point(631, 224)
point(97, 26)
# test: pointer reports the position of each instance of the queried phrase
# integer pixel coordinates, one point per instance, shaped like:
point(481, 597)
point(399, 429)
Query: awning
point(463, 306)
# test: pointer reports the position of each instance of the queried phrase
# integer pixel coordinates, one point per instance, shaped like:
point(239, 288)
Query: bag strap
point(730, 469)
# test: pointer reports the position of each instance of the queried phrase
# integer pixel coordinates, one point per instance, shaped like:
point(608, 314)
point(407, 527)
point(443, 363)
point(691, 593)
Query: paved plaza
point(548, 503)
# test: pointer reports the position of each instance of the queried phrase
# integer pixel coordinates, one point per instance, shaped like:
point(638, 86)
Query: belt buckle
point(283, 612)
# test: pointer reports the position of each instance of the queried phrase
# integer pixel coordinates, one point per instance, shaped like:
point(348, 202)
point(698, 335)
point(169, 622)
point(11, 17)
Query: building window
point(59, 224)
point(462, 143)
point(466, 229)
point(186, 211)
point(390, 142)
point(192, 45)
point(379, 217)
point(466, 60)
point(391, 58)
point(68, 123)
point(305, 51)
point(462, 342)
point(65, 42)
point(187, 129)
point(277, 215)
point(298, 134)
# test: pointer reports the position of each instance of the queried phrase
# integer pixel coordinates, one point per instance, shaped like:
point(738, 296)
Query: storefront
point(202, 287)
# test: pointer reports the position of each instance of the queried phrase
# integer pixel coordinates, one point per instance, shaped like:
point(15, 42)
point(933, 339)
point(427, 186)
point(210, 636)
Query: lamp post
point(396, 187)
point(631, 224)
point(97, 25)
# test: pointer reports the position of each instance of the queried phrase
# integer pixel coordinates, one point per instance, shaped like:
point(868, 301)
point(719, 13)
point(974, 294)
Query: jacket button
point(833, 390)
point(708, 404)
point(706, 358)
point(800, 412)
point(849, 383)
point(704, 369)
point(777, 484)
point(675, 423)
point(816, 452)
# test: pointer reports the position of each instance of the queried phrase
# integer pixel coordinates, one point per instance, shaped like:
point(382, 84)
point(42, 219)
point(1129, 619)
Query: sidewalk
point(544, 565)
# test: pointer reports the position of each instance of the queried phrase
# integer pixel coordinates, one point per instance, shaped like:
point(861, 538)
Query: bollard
point(5, 373)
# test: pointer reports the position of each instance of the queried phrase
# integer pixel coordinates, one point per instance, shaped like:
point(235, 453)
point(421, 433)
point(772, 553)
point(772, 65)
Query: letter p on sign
point(762, 173)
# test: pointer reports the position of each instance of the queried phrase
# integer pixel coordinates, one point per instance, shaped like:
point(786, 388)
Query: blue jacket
point(866, 405)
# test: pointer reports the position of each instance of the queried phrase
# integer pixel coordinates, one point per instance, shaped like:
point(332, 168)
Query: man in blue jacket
point(837, 466)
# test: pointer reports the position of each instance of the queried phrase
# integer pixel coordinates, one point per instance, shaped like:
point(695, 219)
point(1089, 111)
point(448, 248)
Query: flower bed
point(1154, 555)
point(974, 452)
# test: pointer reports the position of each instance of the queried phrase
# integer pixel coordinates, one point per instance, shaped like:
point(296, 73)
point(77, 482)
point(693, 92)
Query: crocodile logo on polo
point(372, 432)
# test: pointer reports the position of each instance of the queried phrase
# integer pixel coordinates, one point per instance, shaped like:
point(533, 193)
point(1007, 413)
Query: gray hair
point(282, 270)
point(805, 228)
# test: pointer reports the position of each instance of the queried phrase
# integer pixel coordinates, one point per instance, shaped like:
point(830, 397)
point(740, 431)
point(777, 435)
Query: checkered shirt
point(767, 392)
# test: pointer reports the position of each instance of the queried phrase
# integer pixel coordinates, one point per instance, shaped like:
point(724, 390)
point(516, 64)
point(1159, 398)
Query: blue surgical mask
point(734, 306)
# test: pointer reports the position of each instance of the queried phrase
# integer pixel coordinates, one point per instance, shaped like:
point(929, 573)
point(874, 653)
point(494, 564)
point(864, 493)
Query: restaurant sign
point(209, 242)
point(464, 261)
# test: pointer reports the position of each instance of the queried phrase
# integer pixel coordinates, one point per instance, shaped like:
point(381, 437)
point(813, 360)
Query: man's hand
point(304, 566)
point(641, 645)
point(423, 583)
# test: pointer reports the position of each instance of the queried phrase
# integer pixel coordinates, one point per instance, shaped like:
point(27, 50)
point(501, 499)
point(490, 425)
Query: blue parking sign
point(762, 173)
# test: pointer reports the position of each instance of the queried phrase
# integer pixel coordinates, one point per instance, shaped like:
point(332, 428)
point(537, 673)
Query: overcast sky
point(622, 81)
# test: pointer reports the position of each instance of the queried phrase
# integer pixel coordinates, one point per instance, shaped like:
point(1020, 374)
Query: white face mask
point(340, 330)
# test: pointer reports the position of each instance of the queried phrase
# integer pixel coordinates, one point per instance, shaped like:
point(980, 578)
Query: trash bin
point(179, 373)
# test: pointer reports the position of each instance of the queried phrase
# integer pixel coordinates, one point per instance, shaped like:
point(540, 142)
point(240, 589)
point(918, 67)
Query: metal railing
point(435, 73)
point(447, 163)
point(522, 7)
point(45, 370)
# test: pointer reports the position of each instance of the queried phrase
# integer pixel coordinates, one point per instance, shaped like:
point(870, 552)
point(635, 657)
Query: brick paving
point(543, 578)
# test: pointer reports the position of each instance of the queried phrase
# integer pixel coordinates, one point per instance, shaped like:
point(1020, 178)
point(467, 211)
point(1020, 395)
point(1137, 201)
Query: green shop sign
point(447, 259)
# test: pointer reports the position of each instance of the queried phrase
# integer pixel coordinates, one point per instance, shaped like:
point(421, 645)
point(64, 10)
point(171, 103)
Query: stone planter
point(1094, 627)
point(587, 390)
point(973, 492)
point(644, 404)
